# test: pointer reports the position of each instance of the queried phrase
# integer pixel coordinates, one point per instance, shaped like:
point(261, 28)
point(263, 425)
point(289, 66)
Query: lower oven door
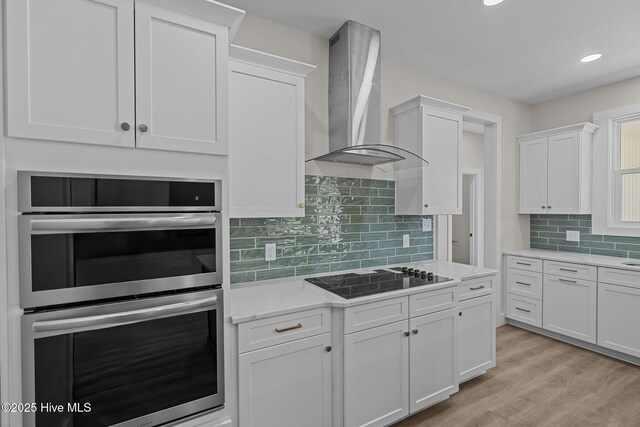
point(134, 363)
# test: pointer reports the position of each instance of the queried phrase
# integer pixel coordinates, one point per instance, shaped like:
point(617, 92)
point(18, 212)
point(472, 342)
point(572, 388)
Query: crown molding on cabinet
point(586, 126)
point(207, 9)
point(267, 60)
point(426, 101)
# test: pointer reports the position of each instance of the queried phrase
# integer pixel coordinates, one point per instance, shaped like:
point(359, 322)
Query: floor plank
point(539, 381)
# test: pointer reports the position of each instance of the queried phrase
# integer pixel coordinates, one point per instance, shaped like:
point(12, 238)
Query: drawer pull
point(415, 332)
point(523, 283)
point(522, 309)
point(567, 281)
point(568, 269)
point(328, 349)
point(477, 288)
point(406, 334)
point(289, 328)
point(523, 263)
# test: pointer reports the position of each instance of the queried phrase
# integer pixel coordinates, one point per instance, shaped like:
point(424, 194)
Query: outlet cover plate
point(573, 236)
point(405, 240)
point(426, 224)
point(270, 252)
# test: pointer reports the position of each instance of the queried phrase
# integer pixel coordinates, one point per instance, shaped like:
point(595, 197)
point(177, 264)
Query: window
point(616, 169)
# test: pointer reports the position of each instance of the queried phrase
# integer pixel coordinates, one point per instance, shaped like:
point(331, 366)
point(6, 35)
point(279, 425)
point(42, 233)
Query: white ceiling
point(528, 50)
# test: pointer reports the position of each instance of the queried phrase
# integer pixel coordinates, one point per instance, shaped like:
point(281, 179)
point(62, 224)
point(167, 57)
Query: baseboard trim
point(588, 346)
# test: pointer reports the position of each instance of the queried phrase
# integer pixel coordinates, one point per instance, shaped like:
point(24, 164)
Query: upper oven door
point(133, 363)
point(72, 258)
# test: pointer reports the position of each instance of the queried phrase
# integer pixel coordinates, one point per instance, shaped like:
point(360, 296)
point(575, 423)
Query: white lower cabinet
point(433, 361)
point(569, 307)
point(287, 385)
point(376, 375)
point(476, 336)
point(619, 318)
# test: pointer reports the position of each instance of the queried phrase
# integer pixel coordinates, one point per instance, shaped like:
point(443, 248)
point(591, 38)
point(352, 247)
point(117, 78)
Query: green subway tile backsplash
point(549, 232)
point(349, 223)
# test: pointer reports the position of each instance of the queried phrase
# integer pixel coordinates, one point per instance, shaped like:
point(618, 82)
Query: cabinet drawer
point(524, 283)
point(619, 277)
point(374, 314)
point(521, 263)
point(574, 271)
point(281, 329)
point(525, 310)
point(432, 301)
point(476, 287)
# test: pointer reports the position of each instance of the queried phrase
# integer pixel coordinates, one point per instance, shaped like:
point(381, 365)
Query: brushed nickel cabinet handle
point(125, 126)
point(406, 334)
point(289, 328)
point(523, 283)
point(143, 128)
point(566, 281)
point(568, 269)
point(415, 332)
point(477, 288)
point(523, 263)
point(522, 309)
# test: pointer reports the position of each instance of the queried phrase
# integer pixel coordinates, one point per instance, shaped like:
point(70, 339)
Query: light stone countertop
point(594, 260)
point(257, 300)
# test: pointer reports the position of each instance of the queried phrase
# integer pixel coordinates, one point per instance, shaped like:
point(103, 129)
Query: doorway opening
point(465, 228)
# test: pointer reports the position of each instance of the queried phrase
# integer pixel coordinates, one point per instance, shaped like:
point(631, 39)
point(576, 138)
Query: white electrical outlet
point(405, 241)
point(270, 252)
point(573, 236)
point(426, 224)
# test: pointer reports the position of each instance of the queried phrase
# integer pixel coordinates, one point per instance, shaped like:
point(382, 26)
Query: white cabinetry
point(555, 170)
point(524, 290)
point(569, 302)
point(286, 379)
point(432, 129)
point(376, 375)
point(619, 311)
point(476, 327)
point(395, 362)
point(266, 134)
point(71, 76)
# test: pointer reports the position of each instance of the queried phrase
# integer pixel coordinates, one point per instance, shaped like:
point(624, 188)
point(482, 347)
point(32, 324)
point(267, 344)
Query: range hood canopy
point(354, 102)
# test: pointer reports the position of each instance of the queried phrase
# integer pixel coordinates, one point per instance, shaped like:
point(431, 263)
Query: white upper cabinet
point(432, 129)
point(555, 170)
point(67, 81)
point(71, 76)
point(266, 117)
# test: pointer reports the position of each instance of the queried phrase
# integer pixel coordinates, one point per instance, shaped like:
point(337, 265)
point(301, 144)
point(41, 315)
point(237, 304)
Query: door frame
point(474, 214)
point(489, 125)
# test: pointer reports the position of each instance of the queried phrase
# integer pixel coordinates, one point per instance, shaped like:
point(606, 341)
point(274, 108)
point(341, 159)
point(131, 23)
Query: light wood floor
point(541, 382)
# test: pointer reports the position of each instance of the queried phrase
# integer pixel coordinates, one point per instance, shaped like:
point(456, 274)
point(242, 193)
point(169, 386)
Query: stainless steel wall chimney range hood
point(354, 102)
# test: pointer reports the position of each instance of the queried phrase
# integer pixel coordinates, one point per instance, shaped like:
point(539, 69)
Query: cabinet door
point(181, 82)
point(569, 307)
point(70, 70)
point(476, 336)
point(286, 385)
point(433, 356)
point(619, 318)
point(533, 176)
point(267, 142)
point(563, 173)
point(441, 180)
point(376, 370)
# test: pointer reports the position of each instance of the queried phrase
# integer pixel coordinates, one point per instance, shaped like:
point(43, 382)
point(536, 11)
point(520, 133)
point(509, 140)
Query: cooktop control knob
point(429, 276)
point(404, 270)
point(423, 275)
point(416, 273)
point(410, 271)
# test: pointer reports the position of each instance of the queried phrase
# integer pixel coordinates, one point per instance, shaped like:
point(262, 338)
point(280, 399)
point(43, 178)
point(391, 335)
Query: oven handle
point(97, 224)
point(117, 319)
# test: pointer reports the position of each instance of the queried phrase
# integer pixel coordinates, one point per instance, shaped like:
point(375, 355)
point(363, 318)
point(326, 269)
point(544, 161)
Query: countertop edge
point(585, 259)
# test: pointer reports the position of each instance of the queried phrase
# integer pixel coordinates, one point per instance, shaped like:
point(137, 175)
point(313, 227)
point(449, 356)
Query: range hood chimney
point(354, 101)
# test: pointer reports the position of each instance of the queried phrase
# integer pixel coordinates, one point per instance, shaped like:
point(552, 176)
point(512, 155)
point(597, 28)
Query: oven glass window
point(73, 260)
point(126, 372)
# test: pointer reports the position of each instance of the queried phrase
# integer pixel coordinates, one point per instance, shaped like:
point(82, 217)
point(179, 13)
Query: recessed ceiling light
point(592, 57)
point(491, 2)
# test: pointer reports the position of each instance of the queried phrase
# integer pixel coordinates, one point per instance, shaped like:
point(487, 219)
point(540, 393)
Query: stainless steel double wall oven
point(120, 280)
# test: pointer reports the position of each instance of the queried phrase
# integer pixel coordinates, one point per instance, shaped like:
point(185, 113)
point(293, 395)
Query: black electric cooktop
point(354, 285)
